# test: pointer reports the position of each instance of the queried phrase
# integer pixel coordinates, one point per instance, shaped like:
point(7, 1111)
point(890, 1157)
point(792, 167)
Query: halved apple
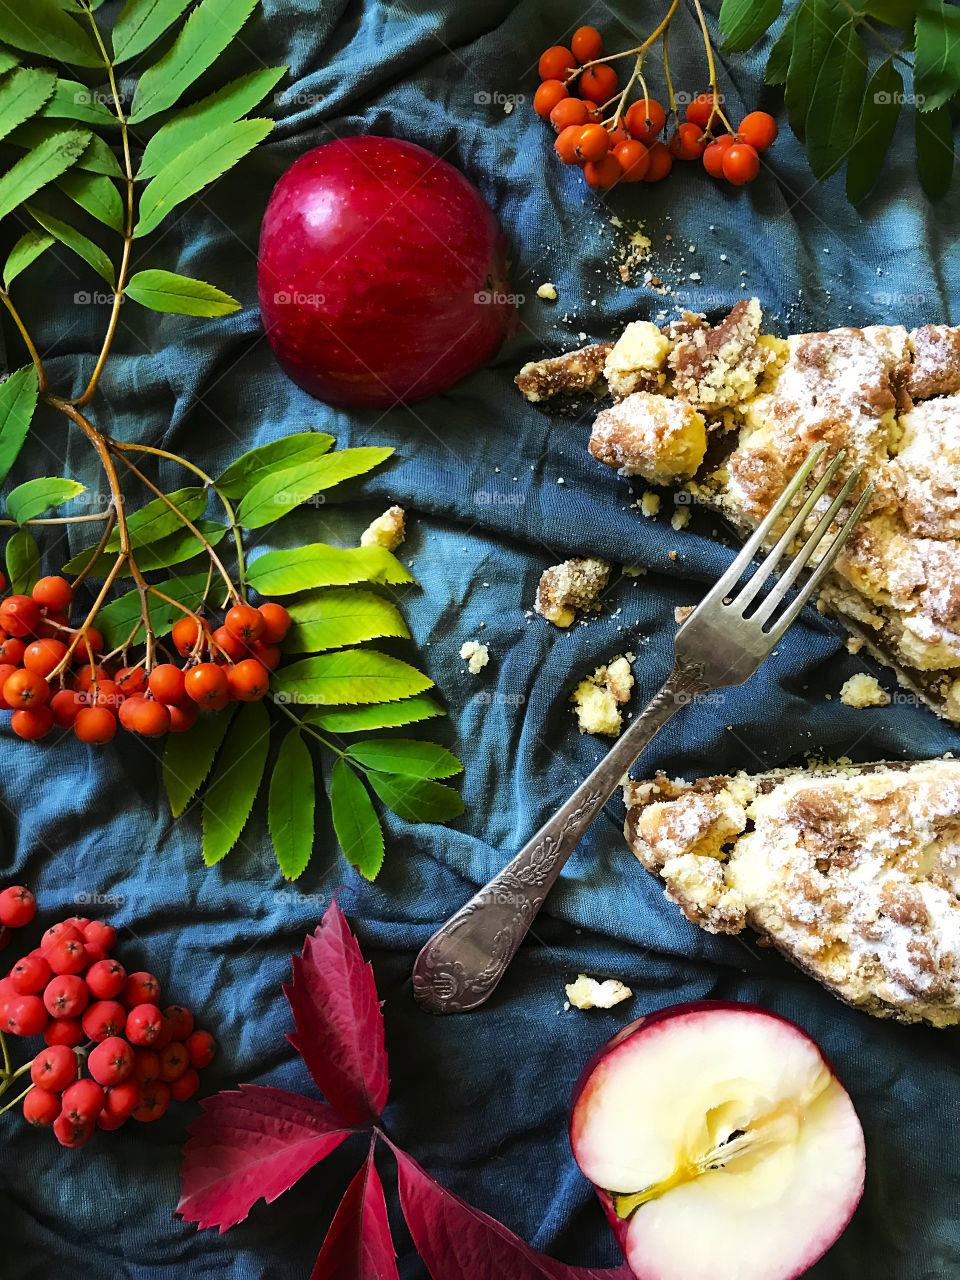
point(721, 1144)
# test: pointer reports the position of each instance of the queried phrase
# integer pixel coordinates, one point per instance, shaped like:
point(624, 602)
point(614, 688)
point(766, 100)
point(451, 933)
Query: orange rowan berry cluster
point(111, 1054)
point(615, 142)
point(51, 674)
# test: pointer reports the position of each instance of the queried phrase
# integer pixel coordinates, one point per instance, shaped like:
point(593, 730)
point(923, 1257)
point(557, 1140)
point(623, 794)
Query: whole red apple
point(382, 274)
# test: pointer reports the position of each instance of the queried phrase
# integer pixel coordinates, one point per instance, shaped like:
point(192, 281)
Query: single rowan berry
point(6, 671)
point(587, 44)
point(83, 1100)
point(180, 1020)
point(30, 975)
point(154, 1100)
point(42, 656)
point(713, 155)
point(64, 706)
point(145, 716)
point(547, 96)
point(33, 724)
point(688, 143)
point(201, 1047)
point(185, 1086)
point(604, 174)
point(12, 650)
point(183, 718)
point(556, 63)
point(66, 956)
point(661, 162)
point(68, 1031)
point(111, 1061)
point(104, 1019)
point(41, 1108)
point(26, 691)
point(617, 136)
point(244, 622)
point(141, 988)
point(26, 1016)
point(144, 1025)
point(598, 83)
point(166, 683)
point(88, 676)
point(66, 996)
point(700, 110)
point(633, 158)
point(72, 1133)
point(226, 644)
point(106, 979)
point(95, 725)
point(593, 143)
point(569, 111)
point(207, 685)
point(645, 119)
point(248, 680)
point(121, 1099)
point(54, 1068)
point(758, 129)
point(740, 164)
point(53, 593)
point(18, 906)
point(185, 634)
point(19, 615)
point(276, 622)
point(268, 654)
point(146, 1065)
point(63, 929)
point(174, 1061)
point(100, 933)
point(104, 693)
point(131, 680)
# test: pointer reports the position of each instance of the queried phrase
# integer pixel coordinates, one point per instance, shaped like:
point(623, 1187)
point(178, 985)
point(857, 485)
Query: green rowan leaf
point(42, 27)
point(27, 249)
point(778, 60)
point(96, 156)
point(280, 491)
point(72, 100)
point(156, 520)
point(836, 102)
point(180, 295)
point(743, 22)
point(292, 805)
point(386, 716)
point(141, 22)
point(875, 129)
point(23, 562)
point(235, 780)
point(31, 499)
point(355, 821)
point(816, 23)
point(278, 573)
point(936, 55)
point(341, 616)
point(284, 454)
point(117, 619)
point(348, 677)
point(935, 151)
point(406, 756)
point(46, 162)
point(417, 801)
point(75, 241)
point(188, 757)
point(95, 193)
point(22, 93)
point(18, 403)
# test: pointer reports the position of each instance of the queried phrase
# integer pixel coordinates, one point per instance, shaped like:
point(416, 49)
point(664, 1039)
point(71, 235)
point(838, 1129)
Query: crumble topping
point(935, 370)
point(571, 587)
point(569, 374)
point(718, 366)
point(864, 690)
point(387, 530)
point(635, 361)
point(597, 699)
point(650, 435)
point(588, 993)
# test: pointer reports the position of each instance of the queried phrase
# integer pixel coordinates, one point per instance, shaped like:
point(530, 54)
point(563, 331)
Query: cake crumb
point(589, 993)
point(598, 698)
point(854, 644)
point(650, 504)
point(388, 530)
point(475, 655)
point(547, 290)
point(863, 690)
point(569, 588)
point(682, 613)
point(680, 518)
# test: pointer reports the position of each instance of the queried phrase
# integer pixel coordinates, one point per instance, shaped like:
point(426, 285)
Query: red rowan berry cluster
point(111, 1053)
point(615, 142)
point(52, 674)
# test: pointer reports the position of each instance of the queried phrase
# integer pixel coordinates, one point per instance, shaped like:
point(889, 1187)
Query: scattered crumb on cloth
point(548, 291)
point(475, 655)
point(597, 699)
point(589, 993)
point(863, 690)
point(387, 530)
point(569, 588)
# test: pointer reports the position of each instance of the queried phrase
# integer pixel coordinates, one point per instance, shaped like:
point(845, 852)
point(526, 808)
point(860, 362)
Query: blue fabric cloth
point(481, 1100)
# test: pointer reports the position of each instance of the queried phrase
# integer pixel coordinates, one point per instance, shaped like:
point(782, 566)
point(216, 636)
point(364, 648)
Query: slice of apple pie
point(731, 412)
point(853, 872)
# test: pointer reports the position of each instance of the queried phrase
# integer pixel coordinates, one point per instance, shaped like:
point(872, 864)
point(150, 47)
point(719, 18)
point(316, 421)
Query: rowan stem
point(34, 354)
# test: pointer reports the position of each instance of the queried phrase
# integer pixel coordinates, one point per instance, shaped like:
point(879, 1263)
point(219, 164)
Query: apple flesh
point(382, 274)
point(720, 1143)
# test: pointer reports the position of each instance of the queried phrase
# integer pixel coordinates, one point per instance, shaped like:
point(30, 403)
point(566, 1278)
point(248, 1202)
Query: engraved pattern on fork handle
point(465, 959)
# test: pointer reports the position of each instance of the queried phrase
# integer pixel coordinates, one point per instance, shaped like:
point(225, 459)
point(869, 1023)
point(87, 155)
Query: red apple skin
point(620, 1226)
point(382, 274)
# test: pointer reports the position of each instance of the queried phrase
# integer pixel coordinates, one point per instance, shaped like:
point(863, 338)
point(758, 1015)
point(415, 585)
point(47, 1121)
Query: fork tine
point(825, 565)
point(756, 581)
point(725, 585)
point(801, 559)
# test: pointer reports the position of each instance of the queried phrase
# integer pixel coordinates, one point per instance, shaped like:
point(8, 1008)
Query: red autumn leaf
point(339, 1023)
point(250, 1143)
point(458, 1242)
point(359, 1244)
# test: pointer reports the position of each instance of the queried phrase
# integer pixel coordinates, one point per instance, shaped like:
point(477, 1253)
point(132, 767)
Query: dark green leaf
point(22, 94)
point(387, 716)
point(31, 499)
point(936, 55)
point(348, 677)
point(197, 122)
point(292, 805)
point(76, 241)
point(42, 165)
point(836, 102)
point(96, 156)
point(41, 26)
point(282, 490)
point(816, 23)
point(406, 756)
point(205, 35)
point(141, 22)
point(878, 120)
point(355, 821)
point(778, 60)
point(74, 101)
point(26, 250)
point(743, 22)
point(896, 13)
point(117, 619)
point(235, 781)
point(200, 164)
point(18, 402)
point(278, 573)
point(283, 454)
point(163, 553)
point(156, 520)
point(188, 757)
point(416, 801)
point(166, 291)
point(341, 616)
point(23, 562)
point(8, 59)
point(95, 193)
point(935, 151)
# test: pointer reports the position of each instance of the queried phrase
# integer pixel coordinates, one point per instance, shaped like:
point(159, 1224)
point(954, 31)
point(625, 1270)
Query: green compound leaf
point(179, 295)
point(18, 403)
point(935, 151)
point(348, 677)
point(235, 781)
point(27, 249)
point(42, 27)
point(276, 494)
point(406, 756)
point(188, 757)
point(156, 520)
point(936, 55)
point(417, 801)
point(355, 821)
point(74, 240)
point(292, 805)
point(72, 100)
point(816, 23)
point(23, 562)
point(278, 573)
point(836, 102)
point(22, 94)
point(875, 130)
point(29, 500)
point(141, 22)
point(341, 616)
point(743, 22)
point(388, 716)
point(96, 194)
point(163, 553)
point(280, 455)
point(96, 156)
point(47, 161)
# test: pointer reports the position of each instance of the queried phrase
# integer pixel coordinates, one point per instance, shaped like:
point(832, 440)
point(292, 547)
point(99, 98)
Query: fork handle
point(465, 959)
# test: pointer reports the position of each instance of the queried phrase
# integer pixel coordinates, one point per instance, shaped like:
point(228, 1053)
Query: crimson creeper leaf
point(359, 1244)
point(254, 1142)
point(339, 1024)
point(458, 1242)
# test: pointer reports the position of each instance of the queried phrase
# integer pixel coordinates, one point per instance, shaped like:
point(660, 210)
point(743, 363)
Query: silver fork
point(718, 645)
